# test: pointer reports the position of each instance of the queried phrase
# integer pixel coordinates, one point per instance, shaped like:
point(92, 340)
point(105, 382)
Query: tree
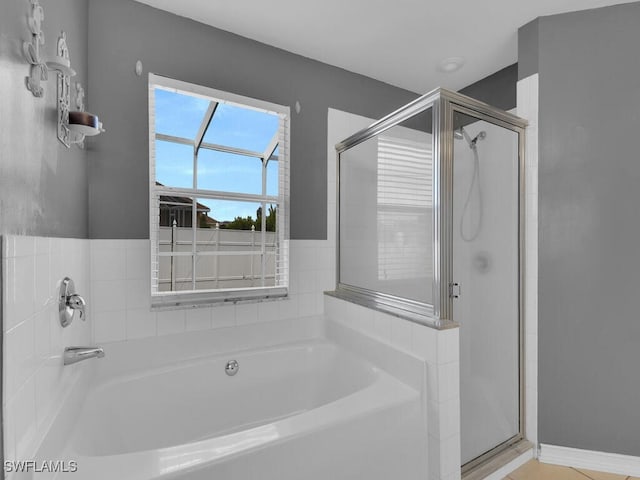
point(270, 220)
point(240, 223)
point(245, 223)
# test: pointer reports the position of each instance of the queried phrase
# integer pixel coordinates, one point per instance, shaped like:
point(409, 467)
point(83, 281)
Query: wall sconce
point(73, 126)
point(39, 68)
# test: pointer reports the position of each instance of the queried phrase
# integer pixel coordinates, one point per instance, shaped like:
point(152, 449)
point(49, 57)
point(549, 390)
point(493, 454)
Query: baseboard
point(591, 460)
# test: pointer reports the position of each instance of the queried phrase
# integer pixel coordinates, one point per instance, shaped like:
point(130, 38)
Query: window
point(218, 195)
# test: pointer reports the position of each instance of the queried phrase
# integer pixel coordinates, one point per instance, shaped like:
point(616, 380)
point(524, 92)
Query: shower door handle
point(454, 290)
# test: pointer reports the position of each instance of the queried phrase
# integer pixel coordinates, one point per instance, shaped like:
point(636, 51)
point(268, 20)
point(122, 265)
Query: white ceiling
point(400, 42)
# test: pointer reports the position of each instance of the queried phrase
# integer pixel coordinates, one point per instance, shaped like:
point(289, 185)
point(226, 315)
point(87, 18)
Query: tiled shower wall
point(34, 379)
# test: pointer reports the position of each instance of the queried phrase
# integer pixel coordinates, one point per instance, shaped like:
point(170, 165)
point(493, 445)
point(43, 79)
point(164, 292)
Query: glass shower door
point(486, 267)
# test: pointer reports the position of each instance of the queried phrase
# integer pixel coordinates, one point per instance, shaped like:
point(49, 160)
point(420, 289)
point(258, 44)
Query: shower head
point(481, 136)
point(461, 133)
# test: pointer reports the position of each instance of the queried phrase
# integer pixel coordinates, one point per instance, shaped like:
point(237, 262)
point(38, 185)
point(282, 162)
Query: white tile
point(448, 382)
point(224, 316)
point(294, 281)
point(44, 384)
point(434, 460)
point(198, 319)
point(20, 357)
point(269, 311)
point(56, 330)
point(453, 476)
point(334, 307)
point(24, 246)
point(307, 304)
point(331, 235)
point(138, 261)
point(382, 325)
point(306, 281)
point(450, 457)
point(326, 259)
point(44, 287)
point(8, 246)
point(319, 304)
point(9, 440)
point(109, 326)
point(289, 307)
point(448, 345)
point(170, 322)
point(449, 418)
point(363, 318)
point(433, 394)
point(306, 259)
point(24, 409)
point(138, 293)
point(246, 313)
point(108, 264)
point(141, 323)
point(433, 418)
point(424, 342)
point(42, 246)
point(326, 280)
point(108, 295)
point(11, 312)
point(42, 333)
point(401, 333)
point(58, 268)
point(20, 290)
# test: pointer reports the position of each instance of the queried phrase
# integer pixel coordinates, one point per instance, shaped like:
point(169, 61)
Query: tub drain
point(232, 368)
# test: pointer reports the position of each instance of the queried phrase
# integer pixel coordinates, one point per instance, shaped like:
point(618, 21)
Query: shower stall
point(431, 229)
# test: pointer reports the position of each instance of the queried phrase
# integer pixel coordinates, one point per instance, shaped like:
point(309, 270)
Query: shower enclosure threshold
point(494, 463)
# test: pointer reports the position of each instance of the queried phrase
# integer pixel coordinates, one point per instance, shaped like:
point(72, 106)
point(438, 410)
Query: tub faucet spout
point(77, 354)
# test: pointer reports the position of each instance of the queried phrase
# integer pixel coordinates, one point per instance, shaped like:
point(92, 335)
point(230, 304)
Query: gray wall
point(528, 49)
point(43, 187)
point(498, 89)
point(123, 31)
point(589, 214)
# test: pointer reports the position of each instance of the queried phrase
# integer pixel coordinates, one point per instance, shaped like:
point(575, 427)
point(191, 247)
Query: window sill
point(191, 299)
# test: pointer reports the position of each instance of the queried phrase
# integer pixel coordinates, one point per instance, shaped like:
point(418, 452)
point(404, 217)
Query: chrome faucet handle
point(69, 301)
point(76, 302)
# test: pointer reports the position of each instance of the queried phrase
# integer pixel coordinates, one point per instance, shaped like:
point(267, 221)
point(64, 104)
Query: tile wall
point(34, 379)
point(121, 293)
point(439, 350)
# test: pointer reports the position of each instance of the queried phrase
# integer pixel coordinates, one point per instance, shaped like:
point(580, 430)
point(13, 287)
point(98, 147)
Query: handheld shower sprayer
point(475, 185)
point(461, 134)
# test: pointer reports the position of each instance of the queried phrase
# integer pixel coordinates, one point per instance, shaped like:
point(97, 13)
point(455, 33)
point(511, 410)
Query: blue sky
point(180, 115)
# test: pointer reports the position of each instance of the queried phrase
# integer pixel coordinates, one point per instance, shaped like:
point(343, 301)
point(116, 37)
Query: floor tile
point(601, 475)
point(534, 470)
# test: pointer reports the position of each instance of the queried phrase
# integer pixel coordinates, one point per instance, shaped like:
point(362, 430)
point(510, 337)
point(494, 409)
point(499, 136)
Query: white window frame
point(190, 298)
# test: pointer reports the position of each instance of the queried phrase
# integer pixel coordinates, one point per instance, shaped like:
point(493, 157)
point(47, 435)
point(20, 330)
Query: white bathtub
point(306, 410)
